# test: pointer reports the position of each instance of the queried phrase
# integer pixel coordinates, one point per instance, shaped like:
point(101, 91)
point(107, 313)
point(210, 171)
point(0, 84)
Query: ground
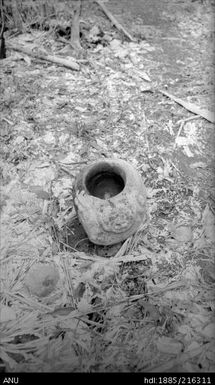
point(145, 305)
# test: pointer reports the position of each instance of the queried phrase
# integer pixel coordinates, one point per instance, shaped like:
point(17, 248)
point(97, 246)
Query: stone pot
point(110, 200)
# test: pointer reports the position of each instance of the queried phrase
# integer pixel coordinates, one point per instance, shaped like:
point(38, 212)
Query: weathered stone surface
point(41, 279)
point(111, 219)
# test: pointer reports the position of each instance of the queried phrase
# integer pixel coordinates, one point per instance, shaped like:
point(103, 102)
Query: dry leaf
point(210, 355)
point(80, 109)
point(198, 165)
point(183, 234)
point(143, 75)
point(184, 329)
point(208, 221)
point(165, 171)
point(209, 331)
point(39, 192)
point(18, 140)
point(121, 53)
point(6, 358)
point(84, 307)
point(49, 138)
point(27, 59)
point(115, 44)
point(7, 314)
point(94, 33)
point(182, 141)
point(169, 345)
point(192, 346)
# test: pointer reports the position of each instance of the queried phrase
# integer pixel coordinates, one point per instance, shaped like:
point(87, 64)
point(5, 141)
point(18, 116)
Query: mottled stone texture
point(41, 279)
point(111, 219)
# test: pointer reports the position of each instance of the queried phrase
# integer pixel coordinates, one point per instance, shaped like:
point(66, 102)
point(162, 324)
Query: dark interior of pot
point(104, 182)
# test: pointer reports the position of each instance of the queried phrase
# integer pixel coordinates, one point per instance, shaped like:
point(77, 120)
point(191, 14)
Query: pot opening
point(104, 182)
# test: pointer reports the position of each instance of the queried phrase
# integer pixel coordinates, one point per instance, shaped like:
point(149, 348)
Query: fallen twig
point(206, 114)
point(71, 63)
point(113, 20)
point(7, 121)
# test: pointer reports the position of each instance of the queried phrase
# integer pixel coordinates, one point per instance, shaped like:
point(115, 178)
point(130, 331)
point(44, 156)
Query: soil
point(182, 34)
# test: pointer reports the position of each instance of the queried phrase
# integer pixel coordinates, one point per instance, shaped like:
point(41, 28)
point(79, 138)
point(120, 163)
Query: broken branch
point(113, 20)
point(206, 114)
point(71, 63)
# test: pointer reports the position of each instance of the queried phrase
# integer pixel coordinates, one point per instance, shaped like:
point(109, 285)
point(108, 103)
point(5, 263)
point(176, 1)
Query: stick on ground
point(71, 63)
point(113, 20)
point(206, 114)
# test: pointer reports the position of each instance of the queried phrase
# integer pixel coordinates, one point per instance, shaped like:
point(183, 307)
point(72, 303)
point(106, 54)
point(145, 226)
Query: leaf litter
point(148, 306)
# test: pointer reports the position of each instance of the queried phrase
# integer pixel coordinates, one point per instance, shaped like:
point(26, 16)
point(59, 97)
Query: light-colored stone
point(113, 219)
point(41, 279)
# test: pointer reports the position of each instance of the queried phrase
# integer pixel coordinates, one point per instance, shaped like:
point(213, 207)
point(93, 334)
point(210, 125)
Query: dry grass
point(148, 308)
